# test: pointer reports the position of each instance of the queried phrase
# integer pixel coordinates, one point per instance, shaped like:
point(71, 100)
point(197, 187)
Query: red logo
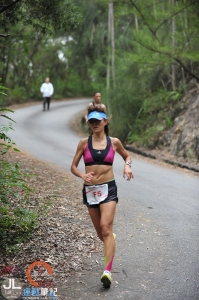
point(38, 264)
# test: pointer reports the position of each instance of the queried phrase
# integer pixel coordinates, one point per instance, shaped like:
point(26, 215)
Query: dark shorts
point(112, 194)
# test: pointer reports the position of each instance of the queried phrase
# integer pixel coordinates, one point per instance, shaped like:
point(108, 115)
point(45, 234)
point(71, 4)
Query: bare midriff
point(102, 173)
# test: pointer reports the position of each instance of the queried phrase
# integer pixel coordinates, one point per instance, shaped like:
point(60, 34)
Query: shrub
point(16, 222)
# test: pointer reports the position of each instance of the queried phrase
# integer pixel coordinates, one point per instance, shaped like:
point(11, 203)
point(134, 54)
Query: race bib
point(96, 193)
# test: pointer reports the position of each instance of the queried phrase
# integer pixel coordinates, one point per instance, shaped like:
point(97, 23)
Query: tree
point(154, 54)
point(159, 43)
point(41, 14)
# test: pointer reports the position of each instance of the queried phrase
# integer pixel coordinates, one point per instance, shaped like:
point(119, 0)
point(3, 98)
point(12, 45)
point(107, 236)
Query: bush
point(16, 222)
point(153, 118)
point(16, 226)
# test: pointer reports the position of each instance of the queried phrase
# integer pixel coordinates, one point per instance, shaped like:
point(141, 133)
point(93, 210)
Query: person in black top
point(95, 105)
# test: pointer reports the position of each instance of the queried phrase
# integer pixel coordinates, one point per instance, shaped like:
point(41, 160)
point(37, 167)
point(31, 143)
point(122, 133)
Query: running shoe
point(106, 279)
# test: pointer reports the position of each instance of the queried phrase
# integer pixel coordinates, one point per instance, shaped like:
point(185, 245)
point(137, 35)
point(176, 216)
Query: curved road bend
point(157, 217)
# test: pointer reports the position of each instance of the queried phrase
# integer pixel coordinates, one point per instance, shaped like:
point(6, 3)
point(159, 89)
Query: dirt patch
point(64, 236)
point(78, 124)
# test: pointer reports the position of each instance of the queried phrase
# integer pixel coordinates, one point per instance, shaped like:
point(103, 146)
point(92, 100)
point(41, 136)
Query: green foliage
point(11, 179)
point(155, 48)
point(17, 94)
point(169, 121)
point(16, 226)
point(16, 222)
point(5, 141)
point(156, 56)
point(153, 118)
point(28, 55)
point(41, 14)
point(175, 96)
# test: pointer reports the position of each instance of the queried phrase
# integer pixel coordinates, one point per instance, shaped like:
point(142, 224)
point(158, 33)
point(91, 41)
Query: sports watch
point(128, 163)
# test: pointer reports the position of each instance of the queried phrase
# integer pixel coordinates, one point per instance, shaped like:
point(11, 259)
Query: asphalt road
point(157, 216)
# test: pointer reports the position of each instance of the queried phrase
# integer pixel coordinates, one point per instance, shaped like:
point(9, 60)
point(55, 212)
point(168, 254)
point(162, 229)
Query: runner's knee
point(106, 230)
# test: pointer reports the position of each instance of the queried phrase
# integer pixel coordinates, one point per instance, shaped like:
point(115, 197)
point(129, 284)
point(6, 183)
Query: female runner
point(95, 105)
point(100, 190)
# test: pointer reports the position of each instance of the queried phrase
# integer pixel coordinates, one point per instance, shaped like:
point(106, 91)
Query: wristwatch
point(128, 163)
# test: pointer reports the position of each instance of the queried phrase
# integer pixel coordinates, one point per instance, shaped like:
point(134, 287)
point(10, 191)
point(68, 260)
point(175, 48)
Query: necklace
point(99, 140)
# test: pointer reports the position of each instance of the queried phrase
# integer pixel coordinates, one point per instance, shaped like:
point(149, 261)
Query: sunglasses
point(92, 121)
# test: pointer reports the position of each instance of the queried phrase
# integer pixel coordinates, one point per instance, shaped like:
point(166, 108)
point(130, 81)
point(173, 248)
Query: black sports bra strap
point(108, 141)
point(90, 146)
point(90, 142)
point(99, 104)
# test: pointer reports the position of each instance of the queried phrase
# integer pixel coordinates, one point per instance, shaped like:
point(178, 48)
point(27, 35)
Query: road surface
point(157, 217)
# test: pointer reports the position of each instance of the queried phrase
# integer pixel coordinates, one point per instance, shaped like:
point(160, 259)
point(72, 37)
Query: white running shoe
point(106, 279)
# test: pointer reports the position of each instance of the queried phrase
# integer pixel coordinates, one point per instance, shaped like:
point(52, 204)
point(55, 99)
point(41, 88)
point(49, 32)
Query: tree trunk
point(154, 7)
point(173, 29)
point(108, 63)
point(136, 22)
point(113, 54)
point(185, 17)
point(92, 34)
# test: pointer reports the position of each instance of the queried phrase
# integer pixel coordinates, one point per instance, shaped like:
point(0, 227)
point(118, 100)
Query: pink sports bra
point(98, 157)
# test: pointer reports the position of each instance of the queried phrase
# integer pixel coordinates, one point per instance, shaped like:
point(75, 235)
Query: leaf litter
point(64, 237)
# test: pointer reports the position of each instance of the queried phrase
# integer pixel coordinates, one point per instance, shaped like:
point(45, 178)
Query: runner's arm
point(76, 160)
point(41, 88)
point(86, 117)
point(52, 90)
point(103, 107)
point(127, 158)
point(74, 167)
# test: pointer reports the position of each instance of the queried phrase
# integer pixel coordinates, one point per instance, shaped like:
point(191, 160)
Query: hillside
point(181, 141)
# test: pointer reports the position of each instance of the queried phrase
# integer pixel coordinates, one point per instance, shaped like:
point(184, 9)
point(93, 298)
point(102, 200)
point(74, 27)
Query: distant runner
point(47, 90)
point(99, 189)
point(95, 105)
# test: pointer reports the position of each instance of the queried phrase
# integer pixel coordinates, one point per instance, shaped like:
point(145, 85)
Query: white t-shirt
point(47, 89)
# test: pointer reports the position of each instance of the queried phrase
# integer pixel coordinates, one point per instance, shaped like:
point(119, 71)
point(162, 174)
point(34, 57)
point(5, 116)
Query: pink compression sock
point(109, 266)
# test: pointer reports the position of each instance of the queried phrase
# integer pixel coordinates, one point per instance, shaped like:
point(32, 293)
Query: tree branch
point(176, 13)
point(4, 35)
point(5, 7)
point(143, 18)
point(185, 68)
point(172, 57)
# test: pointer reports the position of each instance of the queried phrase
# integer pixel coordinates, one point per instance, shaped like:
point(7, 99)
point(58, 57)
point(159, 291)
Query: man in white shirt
point(47, 91)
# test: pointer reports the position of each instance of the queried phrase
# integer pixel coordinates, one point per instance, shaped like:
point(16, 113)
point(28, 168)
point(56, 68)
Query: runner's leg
point(44, 103)
point(48, 99)
point(95, 215)
point(106, 224)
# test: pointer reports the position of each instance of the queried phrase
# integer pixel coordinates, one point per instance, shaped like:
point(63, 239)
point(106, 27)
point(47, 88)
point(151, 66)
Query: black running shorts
point(112, 194)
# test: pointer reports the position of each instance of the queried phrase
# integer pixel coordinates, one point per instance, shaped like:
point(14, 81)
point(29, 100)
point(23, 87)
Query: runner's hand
point(88, 177)
point(127, 172)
